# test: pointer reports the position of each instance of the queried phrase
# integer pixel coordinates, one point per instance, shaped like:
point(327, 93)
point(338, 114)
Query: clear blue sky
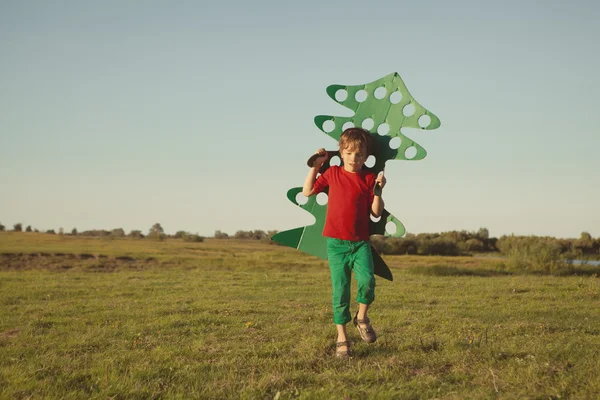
point(199, 115)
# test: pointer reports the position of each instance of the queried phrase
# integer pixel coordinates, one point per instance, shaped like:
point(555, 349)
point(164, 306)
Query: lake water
point(595, 263)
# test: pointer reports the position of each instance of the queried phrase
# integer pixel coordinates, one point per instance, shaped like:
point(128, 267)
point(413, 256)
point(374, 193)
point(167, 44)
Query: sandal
point(367, 333)
point(343, 353)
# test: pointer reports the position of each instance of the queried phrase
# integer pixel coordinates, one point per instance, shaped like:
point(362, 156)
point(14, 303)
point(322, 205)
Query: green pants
point(344, 257)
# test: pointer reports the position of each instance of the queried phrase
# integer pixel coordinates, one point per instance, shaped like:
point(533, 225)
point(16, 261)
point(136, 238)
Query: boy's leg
point(365, 277)
point(342, 348)
point(362, 311)
point(364, 274)
point(339, 265)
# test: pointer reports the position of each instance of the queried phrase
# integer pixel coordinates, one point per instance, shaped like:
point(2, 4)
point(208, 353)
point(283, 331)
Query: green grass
point(242, 319)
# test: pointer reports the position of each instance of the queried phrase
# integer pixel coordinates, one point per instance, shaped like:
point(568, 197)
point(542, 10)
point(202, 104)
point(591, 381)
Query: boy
point(351, 200)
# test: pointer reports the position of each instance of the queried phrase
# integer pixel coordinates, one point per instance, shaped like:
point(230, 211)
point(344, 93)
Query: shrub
point(18, 227)
point(179, 234)
point(95, 233)
point(156, 228)
point(119, 232)
point(532, 253)
point(256, 235)
point(438, 246)
point(483, 234)
point(189, 237)
point(136, 234)
point(474, 245)
point(2, 228)
point(156, 236)
point(220, 235)
point(407, 245)
point(156, 232)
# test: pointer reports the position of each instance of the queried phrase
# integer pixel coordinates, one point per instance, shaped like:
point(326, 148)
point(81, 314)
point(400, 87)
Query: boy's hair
point(355, 137)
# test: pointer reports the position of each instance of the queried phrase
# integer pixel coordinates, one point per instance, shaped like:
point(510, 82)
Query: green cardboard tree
point(383, 108)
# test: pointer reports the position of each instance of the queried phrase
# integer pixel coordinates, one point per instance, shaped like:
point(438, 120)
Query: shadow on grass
point(577, 271)
point(447, 270)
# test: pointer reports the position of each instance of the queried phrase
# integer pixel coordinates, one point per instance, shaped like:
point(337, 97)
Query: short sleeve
point(322, 182)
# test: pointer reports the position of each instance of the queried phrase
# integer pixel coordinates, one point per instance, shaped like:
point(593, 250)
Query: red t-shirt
point(349, 202)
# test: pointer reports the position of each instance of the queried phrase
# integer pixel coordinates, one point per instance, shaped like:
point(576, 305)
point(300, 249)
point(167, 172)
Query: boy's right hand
point(318, 159)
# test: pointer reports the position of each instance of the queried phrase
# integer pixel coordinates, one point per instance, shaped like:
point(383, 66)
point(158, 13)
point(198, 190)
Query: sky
point(198, 115)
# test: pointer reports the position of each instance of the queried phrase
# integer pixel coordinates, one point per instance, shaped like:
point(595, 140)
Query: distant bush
point(74, 232)
point(532, 253)
point(422, 244)
point(220, 235)
point(586, 244)
point(405, 245)
point(18, 227)
point(156, 232)
point(156, 228)
point(2, 228)
point(473, 246)
point(191, 237)
point(250, 235)
point(119, 232)
point(156, 236)
point(438, 246)
point(255, 235)
point(51, 232)
point(96, 233)
point(179, 234)
point(136, 234)
point(28, 229)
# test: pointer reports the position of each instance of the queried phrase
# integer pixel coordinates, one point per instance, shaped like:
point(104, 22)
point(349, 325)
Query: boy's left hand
point(379, 183)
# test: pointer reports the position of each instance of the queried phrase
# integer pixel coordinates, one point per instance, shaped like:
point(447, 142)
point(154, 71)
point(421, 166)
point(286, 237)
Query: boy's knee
point(366, 290)
point(366, 281)
point(341, 298)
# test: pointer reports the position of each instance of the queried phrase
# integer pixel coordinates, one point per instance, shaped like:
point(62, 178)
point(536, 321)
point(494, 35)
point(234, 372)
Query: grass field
point(224, 319)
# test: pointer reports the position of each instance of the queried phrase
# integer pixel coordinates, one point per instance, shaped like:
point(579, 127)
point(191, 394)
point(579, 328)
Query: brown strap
point(340, 344)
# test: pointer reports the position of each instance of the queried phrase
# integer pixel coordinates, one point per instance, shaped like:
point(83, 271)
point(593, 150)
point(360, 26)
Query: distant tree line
point(456, 243)
point(18, 228)
point(452, 243)
point(156, 232)
point(251, 235)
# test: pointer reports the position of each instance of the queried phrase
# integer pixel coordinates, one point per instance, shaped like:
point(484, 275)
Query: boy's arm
point(378, 204)
point(309, 182)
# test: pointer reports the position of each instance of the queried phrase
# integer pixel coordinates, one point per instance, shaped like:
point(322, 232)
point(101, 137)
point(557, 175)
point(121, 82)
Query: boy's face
point(354, 157)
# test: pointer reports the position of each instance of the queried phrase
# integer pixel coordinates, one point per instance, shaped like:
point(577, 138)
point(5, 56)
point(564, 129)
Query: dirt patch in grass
point(446, 270)
point(66, 262)
point(9, 334)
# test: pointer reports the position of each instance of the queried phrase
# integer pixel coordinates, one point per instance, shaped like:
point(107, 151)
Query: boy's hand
point(318, 159)
point(379, 184)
